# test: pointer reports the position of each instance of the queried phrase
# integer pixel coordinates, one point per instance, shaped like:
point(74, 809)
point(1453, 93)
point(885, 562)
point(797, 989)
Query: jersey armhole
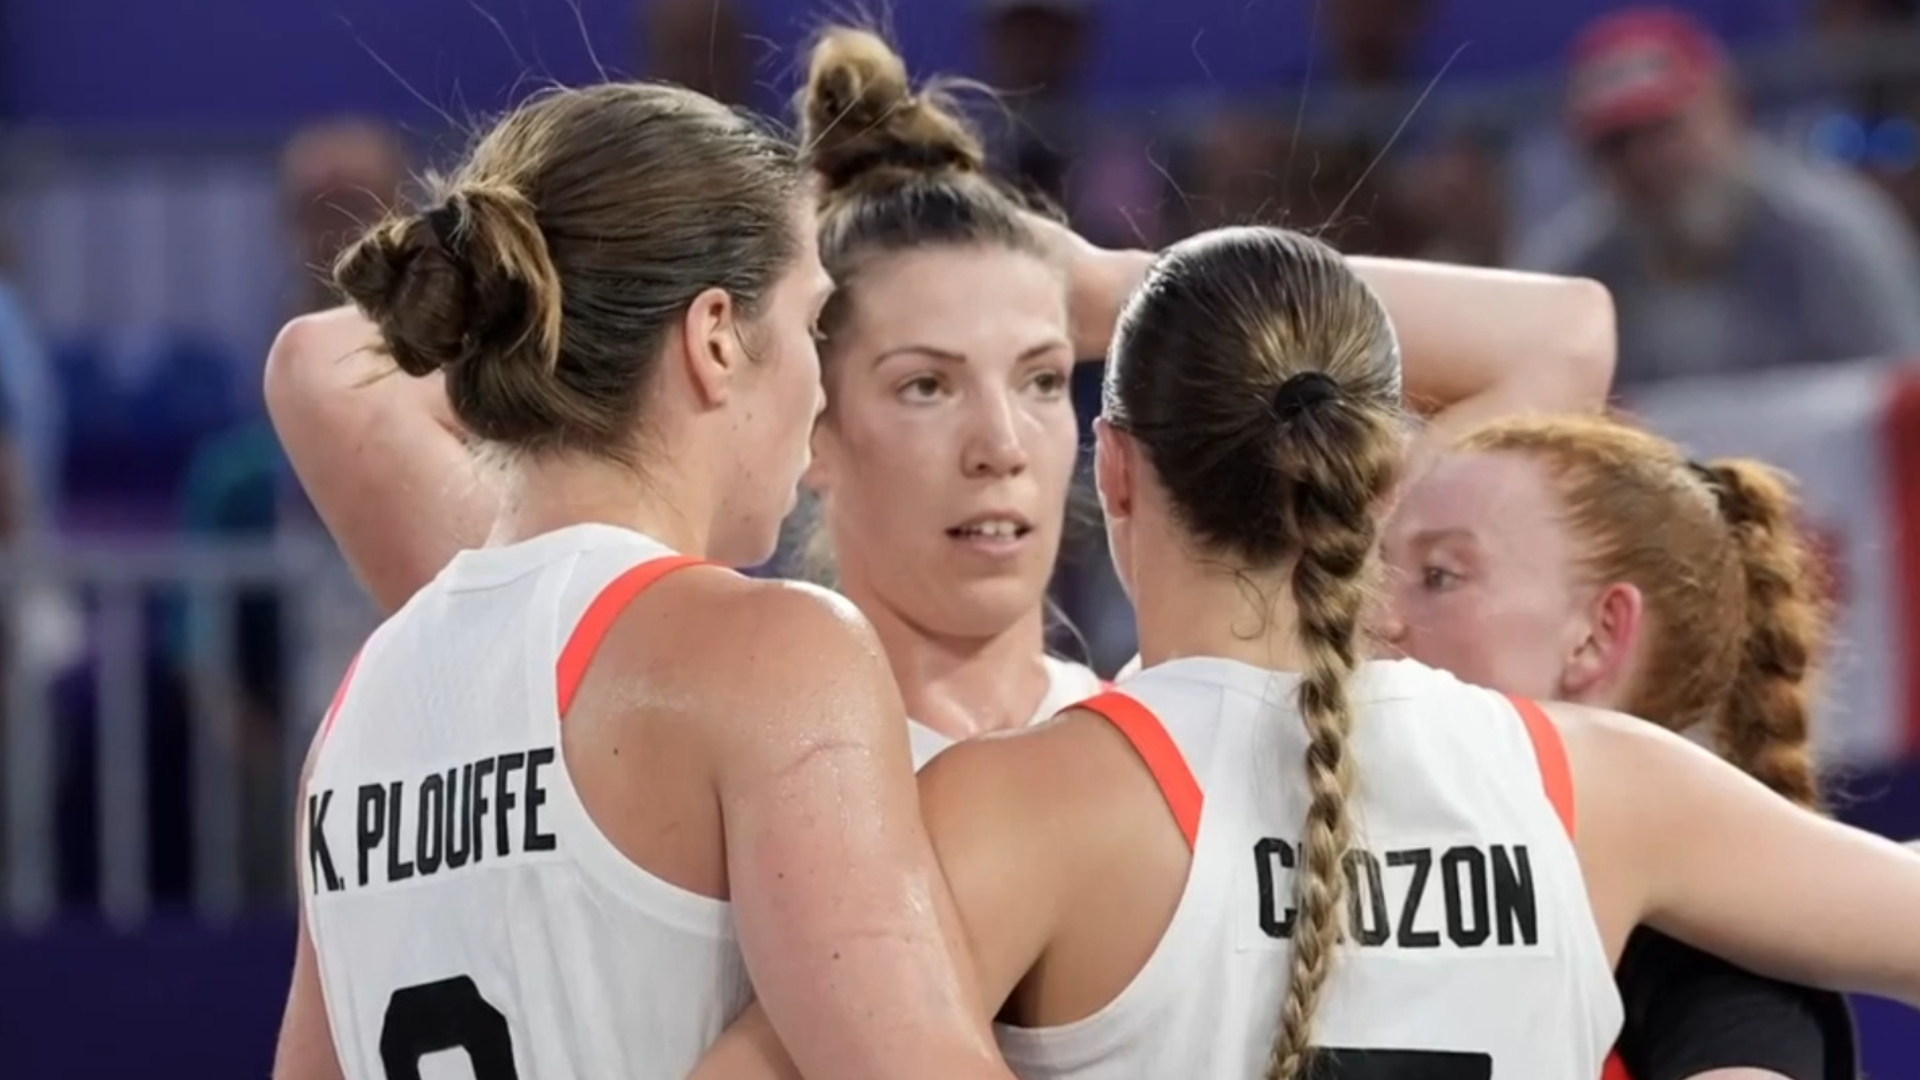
point(1556, 776)
point(1550, 751)
point(600, 616)
point(339, 695)
point(1161, 755)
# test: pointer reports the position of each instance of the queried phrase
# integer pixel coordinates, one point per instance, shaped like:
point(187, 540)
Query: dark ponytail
point(1262, 379)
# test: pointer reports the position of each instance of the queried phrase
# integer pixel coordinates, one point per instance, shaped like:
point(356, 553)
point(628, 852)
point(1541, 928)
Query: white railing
point(323, 616)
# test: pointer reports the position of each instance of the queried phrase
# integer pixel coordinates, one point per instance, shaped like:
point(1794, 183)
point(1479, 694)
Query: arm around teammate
point(844, 920)
point(1677, 838)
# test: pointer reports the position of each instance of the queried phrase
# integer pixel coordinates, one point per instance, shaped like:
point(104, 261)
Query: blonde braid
point(1330, 589)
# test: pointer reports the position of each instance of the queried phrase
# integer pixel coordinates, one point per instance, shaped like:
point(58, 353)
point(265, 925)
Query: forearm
point(1479, 343)
point(375, 453)
point(1516, 340)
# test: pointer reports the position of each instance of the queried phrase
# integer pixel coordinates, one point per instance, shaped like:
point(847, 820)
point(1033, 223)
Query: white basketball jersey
point(1067, 683)
point(1471, 952)
point(461, 902)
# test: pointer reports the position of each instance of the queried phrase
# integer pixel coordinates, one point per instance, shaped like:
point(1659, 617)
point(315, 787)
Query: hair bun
point(468, 280)
point(862, 117)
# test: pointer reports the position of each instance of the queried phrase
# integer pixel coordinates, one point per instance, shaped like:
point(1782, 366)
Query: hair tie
point(1709, 476)
point(444, 220)
point(1302, 392)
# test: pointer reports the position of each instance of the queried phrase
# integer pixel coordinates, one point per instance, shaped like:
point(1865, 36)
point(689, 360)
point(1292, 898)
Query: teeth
point(995, 530)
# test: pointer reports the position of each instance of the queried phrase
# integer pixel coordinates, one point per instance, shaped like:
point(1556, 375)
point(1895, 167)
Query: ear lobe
point(712, 350)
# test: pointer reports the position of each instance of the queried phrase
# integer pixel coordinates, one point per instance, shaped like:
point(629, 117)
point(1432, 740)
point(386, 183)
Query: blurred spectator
point(1239, 169)
point(337, 177)
point(703, 45)
point(1724, 252)
point(232, 495)
point(1457, 190)
point(1345, 187)
point(1248, 166)
point(1119, 196)
point(1862, 16)
point(1376, 43)
point(1035, 51)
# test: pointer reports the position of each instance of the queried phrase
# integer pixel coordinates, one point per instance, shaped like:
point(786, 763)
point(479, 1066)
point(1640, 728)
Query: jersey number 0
point(445, 1015)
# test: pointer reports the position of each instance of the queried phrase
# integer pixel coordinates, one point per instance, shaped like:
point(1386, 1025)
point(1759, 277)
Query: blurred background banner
point(1743, 174)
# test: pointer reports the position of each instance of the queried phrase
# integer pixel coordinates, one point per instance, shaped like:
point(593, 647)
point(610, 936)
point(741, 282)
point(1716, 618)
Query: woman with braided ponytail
point(1264, 856)
point(1586, 559)
point(943, 459)
point(1262, 849)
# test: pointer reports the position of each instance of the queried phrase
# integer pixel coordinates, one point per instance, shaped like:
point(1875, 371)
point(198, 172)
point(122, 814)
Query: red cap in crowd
point(1638, 66)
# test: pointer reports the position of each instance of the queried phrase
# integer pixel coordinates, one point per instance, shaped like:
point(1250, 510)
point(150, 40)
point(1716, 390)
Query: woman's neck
point(962, 686)
point(1185, 608)
point(542, 495)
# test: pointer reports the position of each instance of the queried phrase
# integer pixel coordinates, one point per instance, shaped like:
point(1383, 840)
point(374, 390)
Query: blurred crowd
point(1738, 232)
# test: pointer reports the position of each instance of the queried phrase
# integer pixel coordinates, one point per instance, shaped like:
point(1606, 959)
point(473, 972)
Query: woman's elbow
point(298, 369)
point(281, 378)
point(314, 350)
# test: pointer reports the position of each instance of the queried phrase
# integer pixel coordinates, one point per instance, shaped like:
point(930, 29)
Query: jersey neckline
point(1375, 680)
point(502, 562)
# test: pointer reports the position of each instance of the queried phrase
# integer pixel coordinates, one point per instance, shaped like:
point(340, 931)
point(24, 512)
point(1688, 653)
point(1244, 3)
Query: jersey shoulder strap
point(1149, 739)
point(1556, 775)
point(1550, 751)
point(600, 616)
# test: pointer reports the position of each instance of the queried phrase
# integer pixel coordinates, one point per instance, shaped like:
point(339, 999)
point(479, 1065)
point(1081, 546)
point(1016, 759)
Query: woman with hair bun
point(1266, 855)
point(946, 452)
point(944, 457)
point(534, 829)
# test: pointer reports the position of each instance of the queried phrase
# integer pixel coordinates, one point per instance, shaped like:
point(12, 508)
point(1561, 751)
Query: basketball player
point(945, 455)
point(1582, 559)
point(1151, 889)
point(616, 271)
point(944, 458)
point(938, 419)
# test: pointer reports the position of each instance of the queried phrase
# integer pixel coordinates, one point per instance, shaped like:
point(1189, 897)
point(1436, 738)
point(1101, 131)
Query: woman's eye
point(923, 388)
point(1050, 382)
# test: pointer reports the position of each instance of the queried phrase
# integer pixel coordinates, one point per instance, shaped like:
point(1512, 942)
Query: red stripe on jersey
point(1556, 775)
point(1160, 753)
point(600, 617)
